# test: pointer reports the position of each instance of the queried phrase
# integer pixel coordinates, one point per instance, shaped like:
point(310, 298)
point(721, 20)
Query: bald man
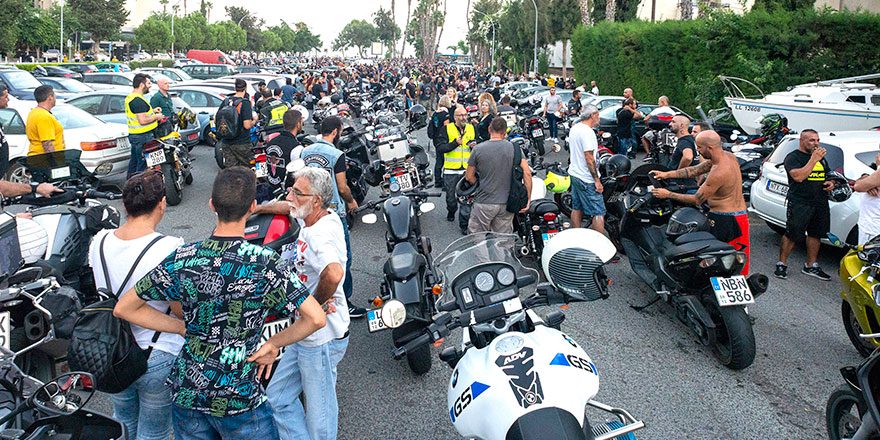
point(722, 191)
point(685, 153)
point(162, 99)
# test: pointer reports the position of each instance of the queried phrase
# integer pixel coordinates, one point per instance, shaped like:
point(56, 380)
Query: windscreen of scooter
point(479, 249)
point(55, 166)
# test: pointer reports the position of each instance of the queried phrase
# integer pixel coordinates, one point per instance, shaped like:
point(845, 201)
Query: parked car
point(210, 57)
point(208, 71)
point(228, 86)
point(109, 106)
point(272, 81)
point(514, 86)
point(180, 62)
point(112, 67)
point(55, 71)
point(68, 85)
point(252, 69)
point(848, 152)
point(603, 101)
point(109, 80)
point(105, 147)
point(52, 54)
point(21, 84)
point(525, 94)
point(204, 101)
point(176, 75)
point(608, 120)
point(80, 68)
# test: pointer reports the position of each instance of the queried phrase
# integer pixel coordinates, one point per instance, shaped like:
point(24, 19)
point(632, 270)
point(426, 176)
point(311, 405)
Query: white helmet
point(573, 262)
point(32, 239)
point(302, 110)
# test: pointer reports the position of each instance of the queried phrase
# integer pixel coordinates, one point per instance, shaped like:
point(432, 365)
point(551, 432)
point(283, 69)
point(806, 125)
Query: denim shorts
point(584, 197)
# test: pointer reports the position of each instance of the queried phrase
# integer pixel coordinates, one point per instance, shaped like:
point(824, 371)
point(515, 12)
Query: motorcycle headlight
point(393, 313)
point(707, 262)
point(727, 261)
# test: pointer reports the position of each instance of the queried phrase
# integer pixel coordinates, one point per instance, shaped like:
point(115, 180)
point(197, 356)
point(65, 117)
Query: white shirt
point(663, 109)
point(582, 139)
point(869, 216)
point(120, 255)
point(595, 91)
point(317, 247)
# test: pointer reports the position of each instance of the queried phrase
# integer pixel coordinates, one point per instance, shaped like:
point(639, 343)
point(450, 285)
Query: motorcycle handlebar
point(423, 339)
point(374, 203)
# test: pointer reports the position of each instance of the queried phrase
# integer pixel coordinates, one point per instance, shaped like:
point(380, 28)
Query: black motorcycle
point(533, 131)
point(672, 251)
point(853, 409)
point(406, 289)
point(167, 155)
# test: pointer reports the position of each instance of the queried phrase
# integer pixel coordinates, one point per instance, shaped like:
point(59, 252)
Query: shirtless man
point(722, 190)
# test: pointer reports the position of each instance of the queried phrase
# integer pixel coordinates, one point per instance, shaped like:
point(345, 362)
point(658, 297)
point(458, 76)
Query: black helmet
point(686, 220)
point(615, 166)
point(841, 191)
point(773, 123)
point(334, 98)
point(465, 191)
point(418, 116)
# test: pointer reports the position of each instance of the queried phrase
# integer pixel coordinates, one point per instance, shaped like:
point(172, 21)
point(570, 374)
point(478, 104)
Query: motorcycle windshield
point(55, 166)
point(475, 249)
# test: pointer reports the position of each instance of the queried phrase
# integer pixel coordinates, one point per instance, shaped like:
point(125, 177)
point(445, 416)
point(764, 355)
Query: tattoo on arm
point(690, 199)
point(694, 171)
point(591, 164)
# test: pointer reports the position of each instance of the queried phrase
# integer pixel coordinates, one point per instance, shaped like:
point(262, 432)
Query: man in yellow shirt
point(44, 131)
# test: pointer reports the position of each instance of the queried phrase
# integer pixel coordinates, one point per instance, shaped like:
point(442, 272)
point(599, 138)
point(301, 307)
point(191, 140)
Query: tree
point(154, 33)
point(10, 11)
point(422, 31)
point(286, 34)
point(164, 4)
point(610, 9)
point(305, 40)
point(101, 18)
point(228, 36)
point(407, 33)
point(786, 5)
point(480, 34)
point(198, 25)
point(357, 33)
point(250, 23)
point(463, 47)
point(386, 30)
point(566, 16)
point(624, 10)
point(35, 29)
point(516, 27)
point(271, 41)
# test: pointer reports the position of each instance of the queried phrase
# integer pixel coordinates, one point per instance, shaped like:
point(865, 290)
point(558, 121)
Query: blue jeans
point(310, 370)
point(626, 145)
point(146, 404)
point(254, 424)
point(137, 162)
point(347, 284)
point(584, 197)
point(551, 122)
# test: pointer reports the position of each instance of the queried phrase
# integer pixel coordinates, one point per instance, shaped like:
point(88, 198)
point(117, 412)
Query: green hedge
point(681, 59)
point(30, 67)
point(133, 64)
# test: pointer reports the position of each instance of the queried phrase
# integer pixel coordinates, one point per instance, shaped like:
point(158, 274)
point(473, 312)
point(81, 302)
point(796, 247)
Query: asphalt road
point(648, 362)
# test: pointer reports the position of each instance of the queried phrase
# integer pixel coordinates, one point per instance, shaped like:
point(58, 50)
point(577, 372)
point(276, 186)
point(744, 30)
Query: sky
point(328, 17)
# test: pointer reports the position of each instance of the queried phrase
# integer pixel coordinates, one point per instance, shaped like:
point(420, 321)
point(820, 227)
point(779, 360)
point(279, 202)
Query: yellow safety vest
point(458, 158)
point(134, 127)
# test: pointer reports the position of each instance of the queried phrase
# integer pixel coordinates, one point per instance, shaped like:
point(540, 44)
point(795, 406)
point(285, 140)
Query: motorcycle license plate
point(538, 132)
point(156, 158)
point(777, 188)
point(261, 169)
point(733, 291)
point(273, 328)
point(404, 180)
point(5, 329)
point(548, 235)
point(374, 320)
point(60, 173)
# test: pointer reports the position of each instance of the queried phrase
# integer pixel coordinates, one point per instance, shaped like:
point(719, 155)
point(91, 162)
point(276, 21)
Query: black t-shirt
point(139, 105)
point(317, 90)
point(245, 112)
point(624, 123)
point(426, 92)
point(483, 128)
point(575, 106)
point(278, 152)
point(411, 88)
point(810, 191)
point(684, 143)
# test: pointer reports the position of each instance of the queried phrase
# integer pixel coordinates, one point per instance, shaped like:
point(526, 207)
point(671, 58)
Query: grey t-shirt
point(494, 163)
point(554, 103)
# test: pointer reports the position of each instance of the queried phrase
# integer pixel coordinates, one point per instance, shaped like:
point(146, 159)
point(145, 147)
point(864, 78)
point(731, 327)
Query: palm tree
point(405, 27)
point(164, 4)
point(454, 48)
point(463, 47)
point(393, 20)
point(586, 7)
point(208, 6)
point(610, 9)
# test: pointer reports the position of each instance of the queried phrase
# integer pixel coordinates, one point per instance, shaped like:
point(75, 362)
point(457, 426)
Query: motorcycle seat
point(405, 261)
point(541, 207)
point(691, 237)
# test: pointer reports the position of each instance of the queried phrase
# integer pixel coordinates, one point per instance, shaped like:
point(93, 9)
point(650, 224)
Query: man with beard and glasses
point(309, 366)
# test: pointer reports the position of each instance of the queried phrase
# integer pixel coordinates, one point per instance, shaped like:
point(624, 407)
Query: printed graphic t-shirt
point(227, 288)
point(810, 191)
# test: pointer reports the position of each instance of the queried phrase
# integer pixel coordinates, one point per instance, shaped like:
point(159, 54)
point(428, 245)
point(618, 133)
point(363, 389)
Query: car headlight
point(104, 168)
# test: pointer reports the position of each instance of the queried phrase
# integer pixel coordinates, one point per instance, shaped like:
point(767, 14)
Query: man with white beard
point(310, 365)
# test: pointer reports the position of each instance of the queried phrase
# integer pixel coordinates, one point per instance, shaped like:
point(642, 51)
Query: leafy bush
point(133, 64)
point(681, 59)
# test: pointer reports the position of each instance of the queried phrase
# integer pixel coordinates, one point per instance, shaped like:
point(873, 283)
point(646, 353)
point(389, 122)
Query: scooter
point(409, 274)
point(853, 409)
point(860, 308)
point(515, 375)
point(690, 269)
point(166, 155)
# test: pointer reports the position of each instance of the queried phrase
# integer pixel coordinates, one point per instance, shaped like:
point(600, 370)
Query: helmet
point(185, 117)
point(841, 191)
point(573, 262)
point(334, 98)
point(686, 220)
point(302, 110)
point(557, 183)
point(615, 166)
point(465, 191)
point(418, 116)
point(32, 239)
point(772, 123)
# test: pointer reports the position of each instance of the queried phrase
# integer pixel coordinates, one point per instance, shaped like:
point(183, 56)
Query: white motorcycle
point(516, 376)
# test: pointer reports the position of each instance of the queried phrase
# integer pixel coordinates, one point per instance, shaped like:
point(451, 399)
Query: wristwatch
point(34, 186)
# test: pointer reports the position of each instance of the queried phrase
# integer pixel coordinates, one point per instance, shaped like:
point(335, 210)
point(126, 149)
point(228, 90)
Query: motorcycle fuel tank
point(398, 211)
point(518, 373)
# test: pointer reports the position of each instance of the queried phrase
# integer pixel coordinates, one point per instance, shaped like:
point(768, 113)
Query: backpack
point(228, 119)
point(519, 195)
point(102, 344)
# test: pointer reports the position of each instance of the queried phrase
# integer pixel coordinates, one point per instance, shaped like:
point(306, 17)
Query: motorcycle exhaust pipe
point(758, 284)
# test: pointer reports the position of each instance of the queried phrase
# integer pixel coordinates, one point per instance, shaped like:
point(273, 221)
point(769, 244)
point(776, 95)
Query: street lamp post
point(494, 24)
point(61, 39)
point(535, 51)
point(173, 13)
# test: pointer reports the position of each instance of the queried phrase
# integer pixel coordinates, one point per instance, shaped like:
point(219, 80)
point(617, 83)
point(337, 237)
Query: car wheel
point(17, 173)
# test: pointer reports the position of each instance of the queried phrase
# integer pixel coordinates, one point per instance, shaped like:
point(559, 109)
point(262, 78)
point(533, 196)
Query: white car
point(847, 152)
point(105, 147)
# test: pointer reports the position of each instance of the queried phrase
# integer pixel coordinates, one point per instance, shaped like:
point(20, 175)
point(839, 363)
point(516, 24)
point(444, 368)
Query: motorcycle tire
point(206, 136)
point(172, 192)
point(218, 155)
point(419, 360)
point(563, 200)
point(853, 330)
point(839, 417)
point(188, 177)
point(734, 341)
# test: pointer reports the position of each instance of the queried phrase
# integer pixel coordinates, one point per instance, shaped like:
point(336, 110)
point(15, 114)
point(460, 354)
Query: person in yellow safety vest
point(456, 152)
point(142, 120)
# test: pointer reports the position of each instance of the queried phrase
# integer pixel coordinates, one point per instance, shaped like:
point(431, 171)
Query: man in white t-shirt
point(310, 365)
point(664, 108)
point(869, 209)
point(586, 188)
point(594, 90)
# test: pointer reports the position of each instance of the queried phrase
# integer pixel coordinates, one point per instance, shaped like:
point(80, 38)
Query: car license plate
point(548, 235)
point(374, 320)
point(273, 328)
point(60, 173)
point(192, 136)
point(733, 291)
point(261, 169)
point(155, 157)
point(123, 143)
point(5, 329)
point(538, 132)
point(777, 188)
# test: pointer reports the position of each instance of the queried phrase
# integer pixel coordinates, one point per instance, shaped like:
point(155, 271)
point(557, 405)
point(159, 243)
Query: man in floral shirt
point(227, 287)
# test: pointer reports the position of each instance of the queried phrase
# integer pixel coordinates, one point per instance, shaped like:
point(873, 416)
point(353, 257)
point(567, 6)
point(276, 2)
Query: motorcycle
point(851, 412)
point(661, 140)
point(515, 374)
point(409, 271)
point(166, 155)
point(396, 158)
point(542, 221)
point(690, 269)
point(533, 131)
point(860, 276)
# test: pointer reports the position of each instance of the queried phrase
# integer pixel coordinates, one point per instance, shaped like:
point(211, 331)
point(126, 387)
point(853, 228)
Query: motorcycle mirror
point(426, 207)
point(393, 313)
point(65, 394)
point(733, 137)
point(295, 165)
point(369, 219)
point(606, 135)
point(834, 239)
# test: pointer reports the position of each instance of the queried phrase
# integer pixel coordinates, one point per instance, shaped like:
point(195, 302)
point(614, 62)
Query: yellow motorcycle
point(860, 276)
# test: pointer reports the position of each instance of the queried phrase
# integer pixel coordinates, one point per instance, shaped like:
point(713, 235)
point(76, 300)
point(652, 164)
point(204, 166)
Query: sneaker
point(450, 217)
point(355, 311)
point(781, 271)
point(815, 271)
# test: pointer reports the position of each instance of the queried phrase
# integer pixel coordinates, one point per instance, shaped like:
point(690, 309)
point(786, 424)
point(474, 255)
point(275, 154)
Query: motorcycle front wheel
point(734, 341)
point(853, 330)
point(172, 192)
point(843, 413)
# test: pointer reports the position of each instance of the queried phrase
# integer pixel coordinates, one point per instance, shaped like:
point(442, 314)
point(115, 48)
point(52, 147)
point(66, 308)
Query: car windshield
point(21, 80)
point(71, 117)
point(182, 75)
point(609, 112)
point(72, 85)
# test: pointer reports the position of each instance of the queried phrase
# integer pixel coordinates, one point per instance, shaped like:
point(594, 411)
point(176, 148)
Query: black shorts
point(814, 221)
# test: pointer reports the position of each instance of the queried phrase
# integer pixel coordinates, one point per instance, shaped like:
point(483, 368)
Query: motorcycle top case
point(516, 374)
